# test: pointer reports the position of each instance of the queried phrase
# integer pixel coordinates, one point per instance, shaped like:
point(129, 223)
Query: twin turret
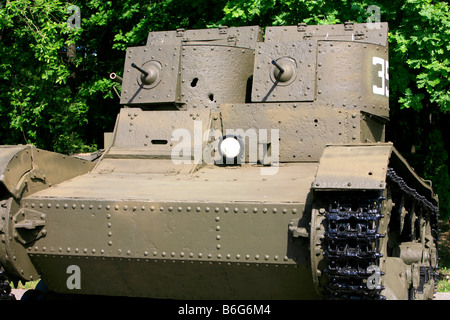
point(314, 84)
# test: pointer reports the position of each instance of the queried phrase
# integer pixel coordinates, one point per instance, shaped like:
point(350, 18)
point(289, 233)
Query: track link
point(351, 245)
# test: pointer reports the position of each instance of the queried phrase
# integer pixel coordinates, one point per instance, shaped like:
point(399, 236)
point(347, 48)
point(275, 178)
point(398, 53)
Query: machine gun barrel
point(145, 73)
point(278, 66)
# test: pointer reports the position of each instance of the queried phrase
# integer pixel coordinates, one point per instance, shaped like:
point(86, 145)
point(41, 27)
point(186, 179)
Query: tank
point(241, 166)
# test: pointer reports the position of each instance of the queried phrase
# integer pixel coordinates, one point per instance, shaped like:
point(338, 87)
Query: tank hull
point(200, 246)
point(179, 279)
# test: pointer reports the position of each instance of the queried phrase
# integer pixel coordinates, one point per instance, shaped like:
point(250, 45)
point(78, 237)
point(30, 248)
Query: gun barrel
point(145, 73)
point(278, 66)
point(115, 77)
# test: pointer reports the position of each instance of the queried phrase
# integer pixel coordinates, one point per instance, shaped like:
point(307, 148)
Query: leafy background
point(64, 102)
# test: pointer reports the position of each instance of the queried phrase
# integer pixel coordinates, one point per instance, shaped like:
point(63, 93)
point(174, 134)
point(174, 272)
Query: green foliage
point(443, 286)
point(64, 102)
point(37, 101)
point(25, 286)
point(436, 169)
point(422, 41)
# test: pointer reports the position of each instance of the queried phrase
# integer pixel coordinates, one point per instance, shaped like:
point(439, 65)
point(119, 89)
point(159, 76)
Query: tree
point(39, 105)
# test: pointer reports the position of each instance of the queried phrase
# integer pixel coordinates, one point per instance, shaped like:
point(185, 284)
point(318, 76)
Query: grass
point(26, 286)
point(444, 285)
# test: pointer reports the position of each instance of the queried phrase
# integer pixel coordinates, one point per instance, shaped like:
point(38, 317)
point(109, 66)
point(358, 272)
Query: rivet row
point(164, 254)
point(169, 208)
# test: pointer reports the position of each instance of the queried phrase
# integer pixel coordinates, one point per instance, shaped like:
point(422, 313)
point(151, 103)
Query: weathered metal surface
point(304, 130)
point(244, 37)
point(26, 170)
point(357, 32)
point(220, 74)
point(133, 179)
point(224, 68)
point(354, 76)
point(181, 279)
point(364, 167)
point(299, 58)
point(138, 133)
point(14, 162)
point(353, 167)
point(147, 229)
point(165, 88)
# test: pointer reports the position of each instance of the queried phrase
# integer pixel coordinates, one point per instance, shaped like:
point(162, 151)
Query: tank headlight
point(231, 148)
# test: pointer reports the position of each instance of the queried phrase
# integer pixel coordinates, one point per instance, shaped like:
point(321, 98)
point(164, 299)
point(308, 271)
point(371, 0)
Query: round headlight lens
point(230, 147)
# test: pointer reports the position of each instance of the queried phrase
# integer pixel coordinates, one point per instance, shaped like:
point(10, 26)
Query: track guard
point(24, 170)
point(365, 167)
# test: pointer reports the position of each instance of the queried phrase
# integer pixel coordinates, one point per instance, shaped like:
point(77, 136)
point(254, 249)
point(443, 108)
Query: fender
point(24, 170)
point(29, 169)
point(364, 167)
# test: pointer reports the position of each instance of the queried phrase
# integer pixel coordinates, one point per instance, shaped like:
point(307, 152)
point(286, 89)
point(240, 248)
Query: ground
point(444, 255)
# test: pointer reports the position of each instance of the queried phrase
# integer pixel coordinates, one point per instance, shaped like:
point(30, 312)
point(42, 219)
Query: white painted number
point(383, 75)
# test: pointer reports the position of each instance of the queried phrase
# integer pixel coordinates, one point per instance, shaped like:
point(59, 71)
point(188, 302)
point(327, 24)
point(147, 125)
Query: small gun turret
point(283, 71)
point(148, 76)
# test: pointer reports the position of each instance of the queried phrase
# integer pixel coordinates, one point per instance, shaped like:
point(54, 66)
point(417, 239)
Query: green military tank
point(241, 166)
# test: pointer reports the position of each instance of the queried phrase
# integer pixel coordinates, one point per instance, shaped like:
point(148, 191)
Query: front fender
point(25, 170)
point(364, 167)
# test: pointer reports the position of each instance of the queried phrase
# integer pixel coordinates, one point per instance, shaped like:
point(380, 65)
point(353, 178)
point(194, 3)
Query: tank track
point(432, 210)
point(351, 242)
point(5, 288)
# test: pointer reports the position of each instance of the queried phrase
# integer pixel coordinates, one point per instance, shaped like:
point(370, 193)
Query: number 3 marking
point(383, 74)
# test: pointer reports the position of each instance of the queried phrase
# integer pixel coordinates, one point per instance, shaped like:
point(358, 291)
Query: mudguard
point(14, 162)
point(24, 170)
point(364, 167)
